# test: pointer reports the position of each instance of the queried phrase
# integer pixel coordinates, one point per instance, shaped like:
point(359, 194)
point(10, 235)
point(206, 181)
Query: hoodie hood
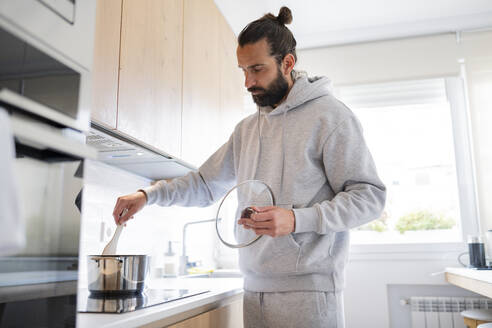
point(304, 89)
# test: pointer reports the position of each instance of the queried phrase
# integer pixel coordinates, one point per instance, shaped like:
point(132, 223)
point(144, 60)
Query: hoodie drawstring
point(258, 155)
point(283, 155)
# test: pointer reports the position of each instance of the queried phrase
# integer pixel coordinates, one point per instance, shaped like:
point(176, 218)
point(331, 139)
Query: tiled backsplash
point(150, 230)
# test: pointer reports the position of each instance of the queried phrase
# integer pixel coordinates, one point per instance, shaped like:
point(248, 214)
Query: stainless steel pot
point(117, 274)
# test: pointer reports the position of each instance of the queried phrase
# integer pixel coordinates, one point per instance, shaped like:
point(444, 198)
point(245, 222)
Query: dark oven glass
point(37, 76)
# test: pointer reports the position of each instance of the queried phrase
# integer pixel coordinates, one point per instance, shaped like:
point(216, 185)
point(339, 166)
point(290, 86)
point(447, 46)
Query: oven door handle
point(43, 137)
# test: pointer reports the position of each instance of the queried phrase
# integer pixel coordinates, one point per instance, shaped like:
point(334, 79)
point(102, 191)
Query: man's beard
point(274, 92)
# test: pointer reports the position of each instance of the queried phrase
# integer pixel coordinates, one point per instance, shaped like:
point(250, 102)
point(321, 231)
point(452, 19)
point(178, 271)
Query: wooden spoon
point(110, 248)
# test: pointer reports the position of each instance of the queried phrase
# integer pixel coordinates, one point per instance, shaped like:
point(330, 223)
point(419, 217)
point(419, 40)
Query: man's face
point(263, 77)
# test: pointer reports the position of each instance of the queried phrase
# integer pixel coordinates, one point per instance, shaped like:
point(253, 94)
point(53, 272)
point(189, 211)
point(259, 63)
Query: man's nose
point(249, 81)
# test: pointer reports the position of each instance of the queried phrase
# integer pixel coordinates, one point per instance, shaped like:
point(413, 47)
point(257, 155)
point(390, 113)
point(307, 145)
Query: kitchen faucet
point(183, 259)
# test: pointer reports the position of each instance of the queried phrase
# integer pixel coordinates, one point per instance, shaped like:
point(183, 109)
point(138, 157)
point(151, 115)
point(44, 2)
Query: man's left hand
point(270, 220)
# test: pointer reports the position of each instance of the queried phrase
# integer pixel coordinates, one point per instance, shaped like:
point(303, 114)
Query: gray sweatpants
point(293, 309)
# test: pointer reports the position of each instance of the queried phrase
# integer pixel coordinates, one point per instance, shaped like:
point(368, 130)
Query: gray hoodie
point(310, 150)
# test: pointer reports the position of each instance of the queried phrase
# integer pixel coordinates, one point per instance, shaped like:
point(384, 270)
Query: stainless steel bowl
point(117, 274)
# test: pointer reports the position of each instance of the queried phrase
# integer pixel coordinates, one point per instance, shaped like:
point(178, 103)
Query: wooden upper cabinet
point(150, 81)
point(201, 85)
point(232, 90)
point(106, 62)
point(165, 73)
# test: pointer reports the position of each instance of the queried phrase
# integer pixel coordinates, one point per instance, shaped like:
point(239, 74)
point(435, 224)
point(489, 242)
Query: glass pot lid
point(237, 203)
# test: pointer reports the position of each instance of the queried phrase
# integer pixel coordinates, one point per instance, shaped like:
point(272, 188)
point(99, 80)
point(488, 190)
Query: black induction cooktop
point(99, 303)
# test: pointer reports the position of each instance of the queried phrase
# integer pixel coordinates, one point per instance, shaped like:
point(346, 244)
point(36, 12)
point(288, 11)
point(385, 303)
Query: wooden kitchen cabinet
point(149, 101)
point(231, 77)
point(165, 73)
point(229, 316)
point(212, 82)
point(201, 85)
point(106, 63)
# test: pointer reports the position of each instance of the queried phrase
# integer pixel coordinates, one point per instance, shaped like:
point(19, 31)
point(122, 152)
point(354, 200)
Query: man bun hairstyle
point(284, 16)
point(271, 27)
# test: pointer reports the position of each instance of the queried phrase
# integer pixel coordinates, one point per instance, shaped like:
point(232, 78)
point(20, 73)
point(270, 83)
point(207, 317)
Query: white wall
point(372, 270)
point(405, 59)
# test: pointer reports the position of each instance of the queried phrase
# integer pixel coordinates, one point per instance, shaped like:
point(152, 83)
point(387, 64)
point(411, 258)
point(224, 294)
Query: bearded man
point(309, 148)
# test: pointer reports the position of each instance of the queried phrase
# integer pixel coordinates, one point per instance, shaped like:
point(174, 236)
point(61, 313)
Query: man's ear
point(288, 64)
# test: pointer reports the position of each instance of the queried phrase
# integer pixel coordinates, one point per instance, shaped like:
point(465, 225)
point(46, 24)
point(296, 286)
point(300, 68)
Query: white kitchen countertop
point(478, 281)
point(481, 275)
point(220, 290)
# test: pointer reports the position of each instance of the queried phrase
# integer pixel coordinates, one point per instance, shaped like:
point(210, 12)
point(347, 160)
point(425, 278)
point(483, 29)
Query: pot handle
point(98, 258)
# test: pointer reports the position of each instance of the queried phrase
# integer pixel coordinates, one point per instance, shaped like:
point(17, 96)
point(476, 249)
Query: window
point(417, 134)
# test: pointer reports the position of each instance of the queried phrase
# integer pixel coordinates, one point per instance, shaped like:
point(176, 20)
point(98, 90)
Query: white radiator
point(443, 312)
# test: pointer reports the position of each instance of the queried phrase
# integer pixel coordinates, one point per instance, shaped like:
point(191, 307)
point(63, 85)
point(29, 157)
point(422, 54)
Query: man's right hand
point(132, 202)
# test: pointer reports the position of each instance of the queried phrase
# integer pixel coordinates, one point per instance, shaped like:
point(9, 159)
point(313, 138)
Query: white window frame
point(465, 173)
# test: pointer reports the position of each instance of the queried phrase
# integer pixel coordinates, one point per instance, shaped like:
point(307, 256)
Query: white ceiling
point(319, 23)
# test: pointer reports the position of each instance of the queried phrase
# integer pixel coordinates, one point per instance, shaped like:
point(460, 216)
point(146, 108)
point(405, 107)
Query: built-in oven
point(65, 26)
point(42, 82)
point(41, 103)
